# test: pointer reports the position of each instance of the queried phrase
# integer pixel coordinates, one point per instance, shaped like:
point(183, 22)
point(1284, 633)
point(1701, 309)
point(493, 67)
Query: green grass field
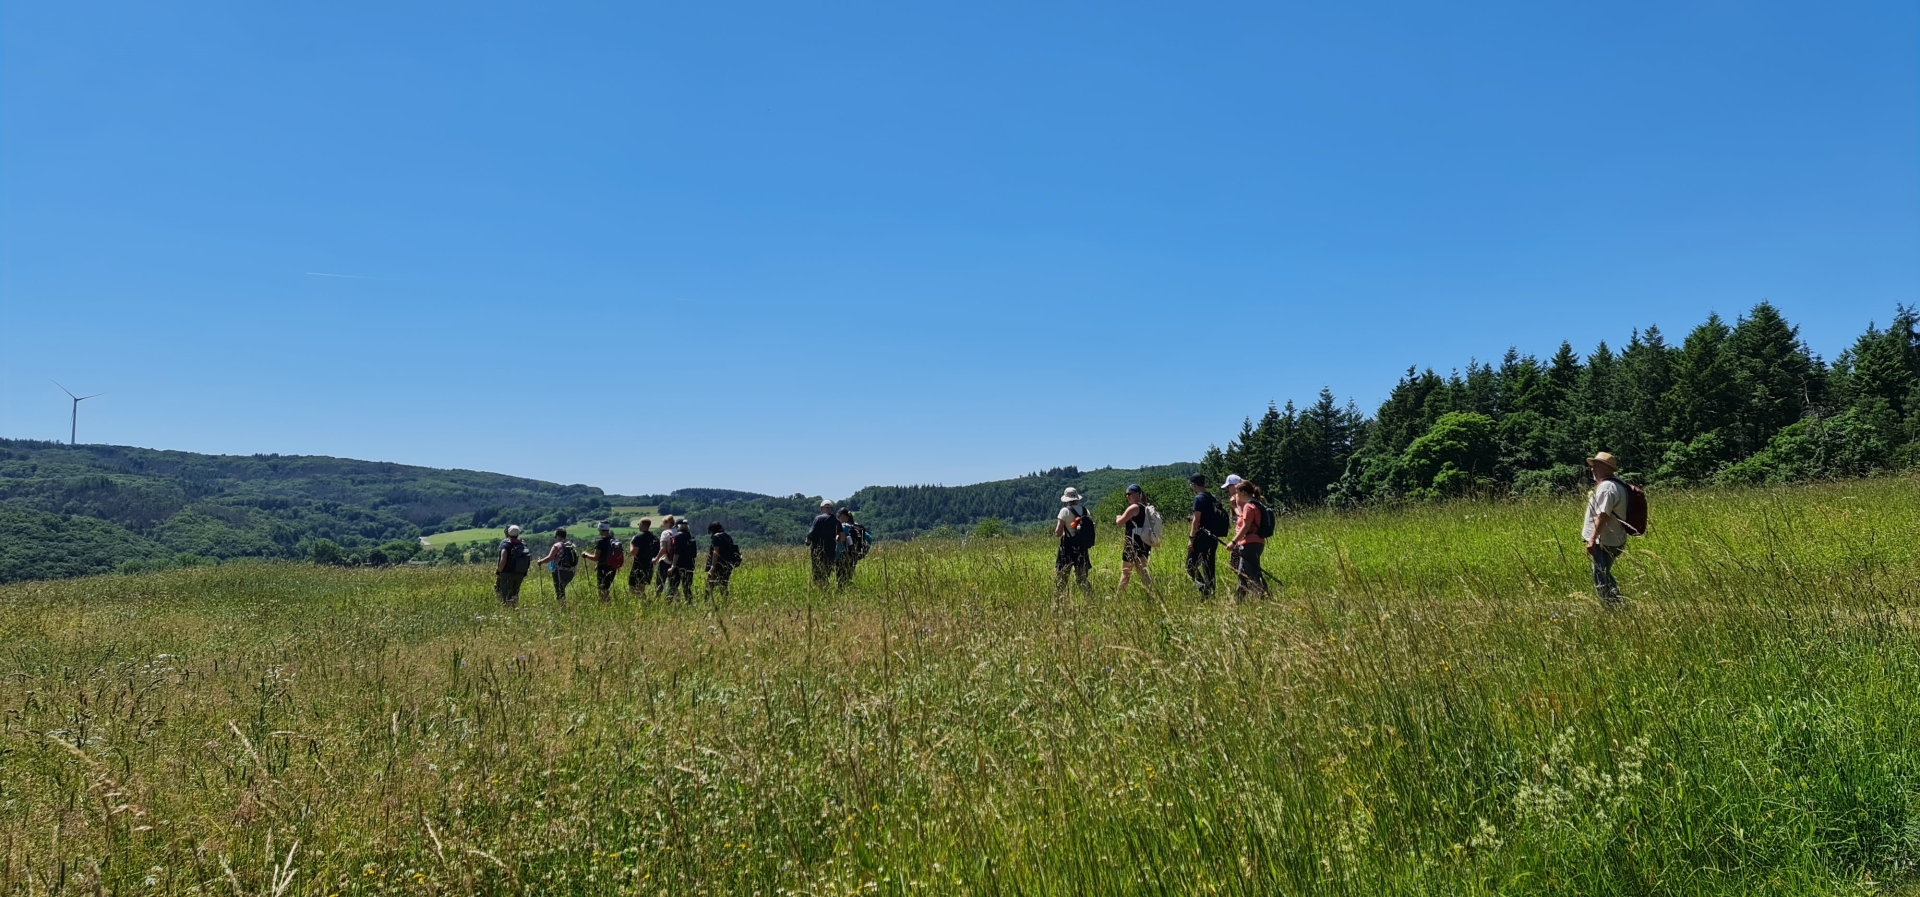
point(1435, 706)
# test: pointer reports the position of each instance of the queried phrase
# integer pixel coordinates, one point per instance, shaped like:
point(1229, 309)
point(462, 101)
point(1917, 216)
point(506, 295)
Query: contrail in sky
point(352, 276)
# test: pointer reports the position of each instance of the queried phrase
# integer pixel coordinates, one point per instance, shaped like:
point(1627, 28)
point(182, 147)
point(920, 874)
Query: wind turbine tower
point(74, 433)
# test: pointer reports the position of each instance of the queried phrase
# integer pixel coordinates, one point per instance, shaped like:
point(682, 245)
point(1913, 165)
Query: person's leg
point(1082, 568)
point(1208, 573)
point(1144, 556)
point(506, 588)
point(560, 580)
point(1250, 562)
point(604, 579)
point(1237, 562)
point(660, 569)
point(1604, 584)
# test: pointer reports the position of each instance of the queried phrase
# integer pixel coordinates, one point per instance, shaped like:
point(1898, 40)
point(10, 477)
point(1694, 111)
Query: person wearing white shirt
point(1604, 529)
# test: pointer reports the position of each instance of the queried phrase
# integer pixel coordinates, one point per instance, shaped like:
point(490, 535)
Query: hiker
point(855, 542)
point(645, 547)
point(607, 559)
point(663, 557)
point(686, 553)
point(1204, 532)
point(562, 559)
point(1604, 529)
point(515, 560)
point(1074, 527)
point(822, 538)
point(1248, 544)
point(1135, 549)
point(723, 555)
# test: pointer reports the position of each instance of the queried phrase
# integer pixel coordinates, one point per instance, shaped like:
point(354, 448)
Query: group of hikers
point(665, 561)
point(1244, 530)
point(836, 544)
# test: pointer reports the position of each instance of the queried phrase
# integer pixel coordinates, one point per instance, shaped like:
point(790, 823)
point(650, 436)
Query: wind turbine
point(72, 436)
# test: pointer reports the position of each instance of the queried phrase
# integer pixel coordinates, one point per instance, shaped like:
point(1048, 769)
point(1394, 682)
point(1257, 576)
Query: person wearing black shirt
point(604, 550)
point(686, 553)
point(1203, 542)
point(645, 548)
point(722, 556)
point(821, 540)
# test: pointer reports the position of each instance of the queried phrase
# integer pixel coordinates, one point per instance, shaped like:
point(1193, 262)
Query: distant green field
point(493, 533)
point(1435, 704)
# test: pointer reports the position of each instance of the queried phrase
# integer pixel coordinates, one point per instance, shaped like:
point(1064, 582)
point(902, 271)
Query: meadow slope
point(1435, 705)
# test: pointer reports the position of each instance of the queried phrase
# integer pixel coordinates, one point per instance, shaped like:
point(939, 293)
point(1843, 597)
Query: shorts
point(1135, 551)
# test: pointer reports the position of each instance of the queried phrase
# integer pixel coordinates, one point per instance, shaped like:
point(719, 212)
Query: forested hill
point(1023, 500)
point(73, 510)
point(1744, 403)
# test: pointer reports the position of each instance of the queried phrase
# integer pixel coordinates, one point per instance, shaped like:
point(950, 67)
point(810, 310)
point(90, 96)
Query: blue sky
point(807, 248)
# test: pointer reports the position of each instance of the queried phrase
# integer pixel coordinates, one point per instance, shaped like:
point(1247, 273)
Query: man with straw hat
point(1604, 529)
point(1074, 527)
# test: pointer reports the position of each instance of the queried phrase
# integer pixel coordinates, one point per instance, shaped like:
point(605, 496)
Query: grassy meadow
point(1434, 705)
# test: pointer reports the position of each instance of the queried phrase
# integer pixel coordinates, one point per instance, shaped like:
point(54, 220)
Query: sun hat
point(1233, 479)
point(1070, 496)
point(1605, 458)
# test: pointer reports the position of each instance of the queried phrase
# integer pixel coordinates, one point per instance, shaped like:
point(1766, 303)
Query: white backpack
point(1152, 528)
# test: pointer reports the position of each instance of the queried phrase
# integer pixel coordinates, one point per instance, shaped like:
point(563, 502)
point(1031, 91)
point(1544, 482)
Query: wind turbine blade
point(66, 390)
point(94, 396)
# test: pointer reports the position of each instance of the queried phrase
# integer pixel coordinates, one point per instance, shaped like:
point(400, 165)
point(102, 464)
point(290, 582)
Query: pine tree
point(1703, 398)
point(1772, 378)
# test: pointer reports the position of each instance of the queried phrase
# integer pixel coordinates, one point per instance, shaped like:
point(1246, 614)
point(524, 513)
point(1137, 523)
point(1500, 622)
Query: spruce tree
point(1772, 378)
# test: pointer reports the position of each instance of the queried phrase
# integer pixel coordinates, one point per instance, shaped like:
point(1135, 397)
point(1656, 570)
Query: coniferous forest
point(1745, 403)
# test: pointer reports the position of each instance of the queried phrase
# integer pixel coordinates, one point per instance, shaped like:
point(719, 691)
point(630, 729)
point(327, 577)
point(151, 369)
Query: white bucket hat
point(1070, 496)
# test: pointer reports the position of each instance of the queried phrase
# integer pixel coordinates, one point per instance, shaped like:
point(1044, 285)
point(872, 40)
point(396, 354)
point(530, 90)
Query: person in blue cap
point(1134, 550)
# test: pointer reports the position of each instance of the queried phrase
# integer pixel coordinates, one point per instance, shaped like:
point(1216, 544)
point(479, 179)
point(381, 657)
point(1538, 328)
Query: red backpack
point(1636, 516)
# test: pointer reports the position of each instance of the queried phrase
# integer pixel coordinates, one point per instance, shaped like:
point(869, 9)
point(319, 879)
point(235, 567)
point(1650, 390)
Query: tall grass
point(1434, 705)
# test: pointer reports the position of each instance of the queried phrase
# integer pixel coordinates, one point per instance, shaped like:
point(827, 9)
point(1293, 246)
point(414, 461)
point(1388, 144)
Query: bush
point(1556, 480)
point(1855, 442)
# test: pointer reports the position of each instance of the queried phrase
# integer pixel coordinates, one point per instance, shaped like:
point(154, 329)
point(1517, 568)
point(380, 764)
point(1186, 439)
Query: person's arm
point(553, 553)
point(1059, 527)
point(1243, 525)
point(1193, 532)
point(500, 564)
point(1125, 515)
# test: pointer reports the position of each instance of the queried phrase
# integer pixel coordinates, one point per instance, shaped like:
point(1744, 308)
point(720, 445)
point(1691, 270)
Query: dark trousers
point(843, 565)
point(1603, 581)
point(506, 587)
point(663, 568)
point(1246, 563)
point(1201, 551)
point(639, 576)
point(680, 582)
point(562, 577)
point(822, 565)
point(1075, 559)
point(604, 577)
point(720, 578)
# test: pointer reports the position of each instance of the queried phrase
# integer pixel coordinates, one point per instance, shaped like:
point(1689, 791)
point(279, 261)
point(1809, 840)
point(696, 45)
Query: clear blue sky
point(808, 247)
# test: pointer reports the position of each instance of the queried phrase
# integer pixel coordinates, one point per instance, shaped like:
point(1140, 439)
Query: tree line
point(1746, 403)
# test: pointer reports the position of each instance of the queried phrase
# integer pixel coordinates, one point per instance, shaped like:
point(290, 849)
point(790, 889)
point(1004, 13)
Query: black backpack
point(1267, 518)
point(1080, 533)
point(1215, 521)
point(729, 550)
point(685, 549)
point(519, 559)
point(569, 556)
point(862, 542)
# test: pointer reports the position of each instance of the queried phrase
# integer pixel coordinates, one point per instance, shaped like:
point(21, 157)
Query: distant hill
point(71, 510)
point(894, 511)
